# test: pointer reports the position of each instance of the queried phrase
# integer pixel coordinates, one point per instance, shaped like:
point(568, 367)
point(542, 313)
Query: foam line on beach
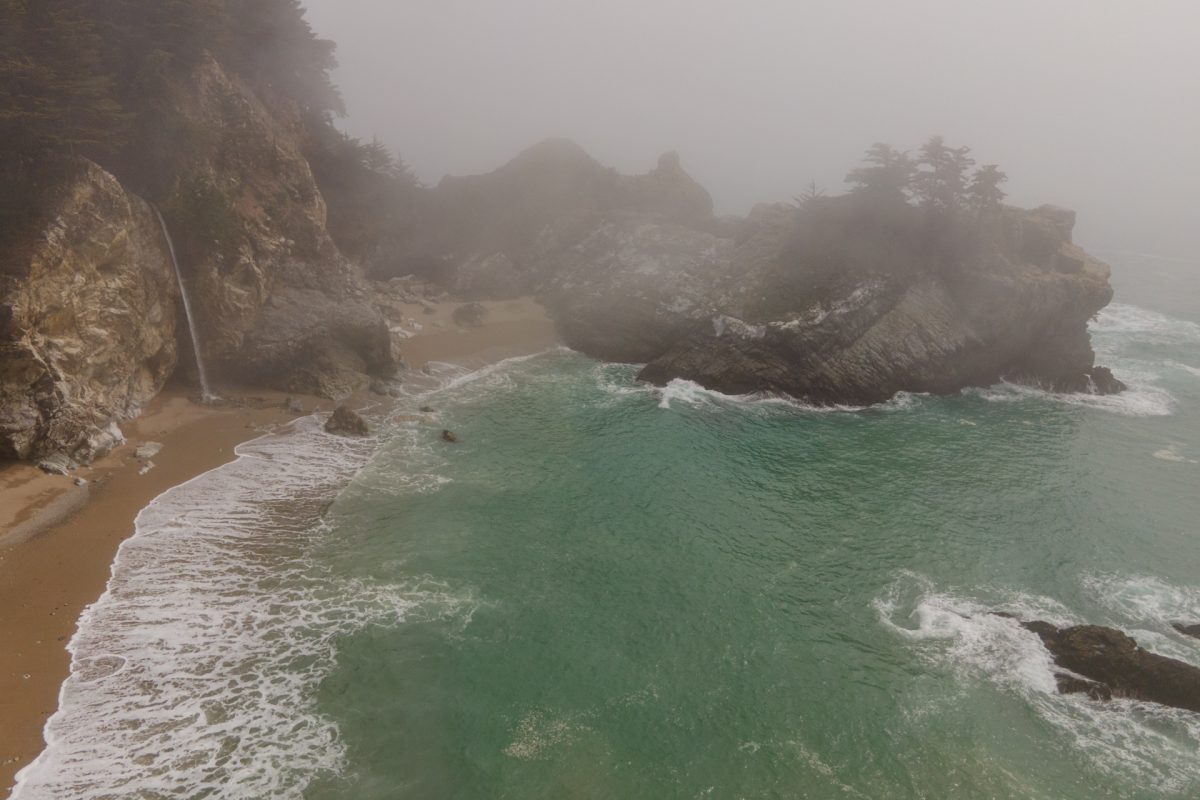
point(217, 627)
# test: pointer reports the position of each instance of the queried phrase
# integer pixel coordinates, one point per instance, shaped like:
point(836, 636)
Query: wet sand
point(58, 540)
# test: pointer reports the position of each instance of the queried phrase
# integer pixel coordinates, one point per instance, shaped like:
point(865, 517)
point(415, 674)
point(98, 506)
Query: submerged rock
point(1106, 663)
point(1188, 630)
point(471, 315)
point(147, 451)
point(449, 436)
point(345, 422)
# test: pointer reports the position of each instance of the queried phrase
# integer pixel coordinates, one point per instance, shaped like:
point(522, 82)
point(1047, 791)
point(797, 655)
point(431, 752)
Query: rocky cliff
point(831, 301)
point(90, 319)
point(834, 301)
point(276, 302)
point(87, 321)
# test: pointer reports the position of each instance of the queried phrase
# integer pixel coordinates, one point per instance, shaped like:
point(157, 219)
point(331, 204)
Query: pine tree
point(56, 94)
point(886, 177)
point(272, 44)
point(985, 195)
point(941, 180)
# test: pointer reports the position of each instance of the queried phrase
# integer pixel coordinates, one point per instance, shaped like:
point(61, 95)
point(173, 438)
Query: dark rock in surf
point(345, 422)
point(1188, 630)
point(449, 436)
point(1102, 381)
point(1106, 663)
point(427, 409)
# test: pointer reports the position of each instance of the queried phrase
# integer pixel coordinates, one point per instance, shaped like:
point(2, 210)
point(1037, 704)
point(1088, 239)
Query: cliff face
point(276, 303)
point(87, 322)
point(833, 303)
point(89, 299)
point(498, 234)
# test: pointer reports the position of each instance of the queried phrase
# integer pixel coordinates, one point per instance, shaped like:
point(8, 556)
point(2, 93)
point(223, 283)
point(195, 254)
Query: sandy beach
point(58, 540)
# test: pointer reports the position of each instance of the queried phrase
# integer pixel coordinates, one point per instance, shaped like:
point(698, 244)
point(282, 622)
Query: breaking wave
point(961, 634)
point(195, 673)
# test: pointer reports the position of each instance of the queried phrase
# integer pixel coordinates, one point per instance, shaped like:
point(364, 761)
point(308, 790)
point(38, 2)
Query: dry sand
point(58, 540)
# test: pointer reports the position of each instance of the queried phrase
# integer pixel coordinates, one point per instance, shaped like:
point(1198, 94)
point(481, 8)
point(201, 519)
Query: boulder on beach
point(1106, 663)
point(344, 422)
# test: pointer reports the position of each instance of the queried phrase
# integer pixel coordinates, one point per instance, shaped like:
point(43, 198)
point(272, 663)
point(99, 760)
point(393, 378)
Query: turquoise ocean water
point(611, 591)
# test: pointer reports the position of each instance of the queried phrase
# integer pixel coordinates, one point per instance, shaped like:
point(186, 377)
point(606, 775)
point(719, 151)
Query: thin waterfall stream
point(205, 391)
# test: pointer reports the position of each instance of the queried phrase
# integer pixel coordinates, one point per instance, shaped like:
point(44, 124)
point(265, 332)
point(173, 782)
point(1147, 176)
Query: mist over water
point(1087, 105)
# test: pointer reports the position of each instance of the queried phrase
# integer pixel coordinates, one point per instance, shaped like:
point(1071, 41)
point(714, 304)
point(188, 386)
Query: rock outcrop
point(87, 322)
point(1105, 664)
point(90, 300)
point(276, 302)
point(835, 301)
point(344, 422)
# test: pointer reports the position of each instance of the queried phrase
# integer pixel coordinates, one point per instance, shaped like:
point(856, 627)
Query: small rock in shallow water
point(147, 451)
point(345, 422)
point(80, 482)
point(1187, 630)
point(427, 410)
point(149, 465)
point(471, 315)
point(449, 436)
point(1102, 381)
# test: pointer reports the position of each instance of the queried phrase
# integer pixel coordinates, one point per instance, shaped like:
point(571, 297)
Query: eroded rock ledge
point(1105, 663)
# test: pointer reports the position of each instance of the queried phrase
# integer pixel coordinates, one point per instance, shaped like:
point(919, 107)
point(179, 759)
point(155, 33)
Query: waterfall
point(205, 392)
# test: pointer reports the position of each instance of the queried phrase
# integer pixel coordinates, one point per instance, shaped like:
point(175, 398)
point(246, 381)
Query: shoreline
point(58, 541)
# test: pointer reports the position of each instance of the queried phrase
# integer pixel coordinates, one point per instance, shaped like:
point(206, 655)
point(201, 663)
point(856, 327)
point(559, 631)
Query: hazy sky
point(1090, 104)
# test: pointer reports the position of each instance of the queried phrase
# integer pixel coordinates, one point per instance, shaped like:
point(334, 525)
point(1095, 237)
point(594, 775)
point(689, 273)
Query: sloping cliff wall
point(87, 321)
point(276, 302)
point(89, 298)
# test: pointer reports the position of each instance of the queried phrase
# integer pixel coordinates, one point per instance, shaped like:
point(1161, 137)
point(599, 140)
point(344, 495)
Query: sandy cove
point(58, 540)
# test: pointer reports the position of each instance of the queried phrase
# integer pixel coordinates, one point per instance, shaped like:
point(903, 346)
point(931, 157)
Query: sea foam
point(959, 633)
point(195, 673)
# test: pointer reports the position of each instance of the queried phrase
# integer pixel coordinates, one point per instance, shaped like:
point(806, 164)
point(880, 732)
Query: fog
point(1089, 104)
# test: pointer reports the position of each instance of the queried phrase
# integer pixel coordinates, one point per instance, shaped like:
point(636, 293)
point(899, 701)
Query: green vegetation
point(370, 193)
point(939, 179)
point(903, 216)
point(94, 78)
point(75, 75)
